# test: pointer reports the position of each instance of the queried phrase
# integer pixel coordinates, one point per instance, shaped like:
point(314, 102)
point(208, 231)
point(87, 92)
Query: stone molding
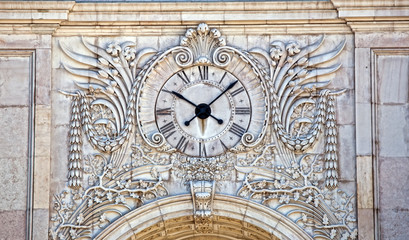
point(238, 209)
point(71, 18)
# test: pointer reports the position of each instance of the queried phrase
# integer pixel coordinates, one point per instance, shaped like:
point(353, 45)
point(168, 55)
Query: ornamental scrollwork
point(290, 165)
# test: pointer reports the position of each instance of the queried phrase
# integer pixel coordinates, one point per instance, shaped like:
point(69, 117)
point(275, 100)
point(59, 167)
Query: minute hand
point(225, 90)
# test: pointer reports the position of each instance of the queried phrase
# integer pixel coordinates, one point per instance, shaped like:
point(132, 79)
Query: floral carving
point(83, 212)
point(203, 169)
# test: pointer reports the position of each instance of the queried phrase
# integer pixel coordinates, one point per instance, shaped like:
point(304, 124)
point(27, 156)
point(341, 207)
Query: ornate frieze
point(201, 113)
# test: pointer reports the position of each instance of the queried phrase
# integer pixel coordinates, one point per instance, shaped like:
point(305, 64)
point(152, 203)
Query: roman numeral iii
point(243, 110)
point(237, 130)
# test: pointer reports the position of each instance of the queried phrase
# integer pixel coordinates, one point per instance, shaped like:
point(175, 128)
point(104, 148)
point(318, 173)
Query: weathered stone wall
point(372, 113)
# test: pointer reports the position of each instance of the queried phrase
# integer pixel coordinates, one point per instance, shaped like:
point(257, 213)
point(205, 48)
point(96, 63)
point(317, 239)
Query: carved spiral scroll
point(157, 140)
point(183, 57)
point(249, 140)
point(222, 57)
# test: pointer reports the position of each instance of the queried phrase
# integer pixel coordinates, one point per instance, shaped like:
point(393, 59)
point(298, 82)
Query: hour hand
point(182, 97)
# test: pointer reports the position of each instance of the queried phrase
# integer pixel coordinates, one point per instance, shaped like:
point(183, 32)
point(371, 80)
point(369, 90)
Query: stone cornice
point(69, 17)
point(374, 15)
point(41, 17)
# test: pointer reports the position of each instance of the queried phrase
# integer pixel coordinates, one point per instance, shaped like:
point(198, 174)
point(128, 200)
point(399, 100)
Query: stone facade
point(326, 158)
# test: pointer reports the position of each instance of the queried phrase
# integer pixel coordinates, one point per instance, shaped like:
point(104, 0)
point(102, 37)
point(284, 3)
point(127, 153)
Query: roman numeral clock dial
point(204, 111)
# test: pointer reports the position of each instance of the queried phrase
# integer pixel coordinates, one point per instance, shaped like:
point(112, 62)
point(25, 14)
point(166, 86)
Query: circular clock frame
point(163, 110)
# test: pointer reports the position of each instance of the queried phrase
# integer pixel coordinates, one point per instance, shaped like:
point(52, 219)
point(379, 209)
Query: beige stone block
point(43, 76)
point(229, 209)
point(346, 147)
point(13, 225)
point(14, 139)
point(366, 228)
point(365, 194)
point(59, 158)
point(392, 74)
point(15, 77)
point(201, 6)
point(61, 113)
point(194, 17)
point(233, 30)
point(42, 131)
point(13, 182)
point(345, 108)
point(41, 182)
point(364, 139)
point(261, 41)
point(147, 42)
point(370, 14)
point(40, 224)
point(393, 180)
point(167, 18)
point(393, 128)
point(398, 39)
point(237, 41)
point(166, 42)
point(33, 15)
point(394, 223)
point(363, 75)
point(25, 41)
point(344, 78)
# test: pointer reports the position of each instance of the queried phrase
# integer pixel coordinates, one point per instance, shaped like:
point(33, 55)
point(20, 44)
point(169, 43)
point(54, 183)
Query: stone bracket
point(202, 196)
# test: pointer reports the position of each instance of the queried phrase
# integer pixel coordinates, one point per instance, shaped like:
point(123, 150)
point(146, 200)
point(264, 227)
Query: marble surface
point(372, 116)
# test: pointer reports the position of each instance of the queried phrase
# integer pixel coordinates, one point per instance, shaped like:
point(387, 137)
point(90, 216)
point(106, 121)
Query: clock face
point(203, 115)
point(204, 111)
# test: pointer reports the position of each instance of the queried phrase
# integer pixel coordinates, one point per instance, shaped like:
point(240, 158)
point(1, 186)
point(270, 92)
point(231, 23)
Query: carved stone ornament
point(202, 196)
point(202, 112)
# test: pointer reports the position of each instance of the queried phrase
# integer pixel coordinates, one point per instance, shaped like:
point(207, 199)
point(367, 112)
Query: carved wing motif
point(297, 89)
point(104, 106)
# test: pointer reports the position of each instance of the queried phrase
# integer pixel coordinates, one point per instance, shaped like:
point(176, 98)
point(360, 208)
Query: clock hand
point(225, 90)
point(219, 121)
point(182, 97)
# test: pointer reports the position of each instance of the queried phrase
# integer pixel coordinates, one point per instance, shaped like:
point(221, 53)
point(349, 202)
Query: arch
point(233, 218)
